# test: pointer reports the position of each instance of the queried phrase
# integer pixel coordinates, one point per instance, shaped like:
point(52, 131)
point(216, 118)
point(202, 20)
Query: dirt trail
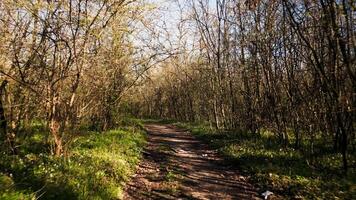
point(178, 166)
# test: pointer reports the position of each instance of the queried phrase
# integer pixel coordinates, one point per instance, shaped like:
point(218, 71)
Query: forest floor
point(96, 166)
point(175, 165)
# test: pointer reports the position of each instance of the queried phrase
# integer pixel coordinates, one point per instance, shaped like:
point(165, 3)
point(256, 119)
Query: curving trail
point(178, 166)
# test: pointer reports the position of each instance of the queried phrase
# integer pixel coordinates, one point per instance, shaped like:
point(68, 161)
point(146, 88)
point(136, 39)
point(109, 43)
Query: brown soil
point(175, 165)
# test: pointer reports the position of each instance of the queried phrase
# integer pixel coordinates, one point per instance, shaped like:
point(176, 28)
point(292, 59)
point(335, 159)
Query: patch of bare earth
point(178, 166)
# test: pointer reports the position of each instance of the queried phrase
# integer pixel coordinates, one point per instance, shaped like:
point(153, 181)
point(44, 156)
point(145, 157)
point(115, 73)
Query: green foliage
point(8, 192)
point(96, 167)
point(284, 171)
point(170, 176)
point(131, 122)
point(159, 121)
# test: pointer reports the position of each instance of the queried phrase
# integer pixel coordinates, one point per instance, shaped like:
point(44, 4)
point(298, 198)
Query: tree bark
point(3, 122)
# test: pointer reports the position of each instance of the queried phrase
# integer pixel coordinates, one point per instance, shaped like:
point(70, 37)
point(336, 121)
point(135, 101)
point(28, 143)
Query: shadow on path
point(178, 166)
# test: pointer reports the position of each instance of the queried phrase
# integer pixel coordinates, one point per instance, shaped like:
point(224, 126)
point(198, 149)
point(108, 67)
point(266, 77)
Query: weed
point(97, 166)
point(285, 171)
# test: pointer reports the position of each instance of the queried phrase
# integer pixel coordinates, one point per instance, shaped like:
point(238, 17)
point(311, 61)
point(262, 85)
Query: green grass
point(284, 171)
point(97, 166)
point(158, 121)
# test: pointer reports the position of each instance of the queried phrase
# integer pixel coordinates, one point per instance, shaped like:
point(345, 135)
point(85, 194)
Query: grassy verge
point(286, 172)
point(97, 166)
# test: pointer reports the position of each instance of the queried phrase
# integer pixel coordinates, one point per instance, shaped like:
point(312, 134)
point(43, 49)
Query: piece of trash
point(266, 194)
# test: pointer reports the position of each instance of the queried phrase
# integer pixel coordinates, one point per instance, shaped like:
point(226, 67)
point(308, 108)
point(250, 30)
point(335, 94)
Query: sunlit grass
point(285, 171)
point(96, 167)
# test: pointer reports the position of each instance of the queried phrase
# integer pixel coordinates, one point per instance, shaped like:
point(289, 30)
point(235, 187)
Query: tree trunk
point(3, 122)
point(55, 131)
point(55, 125)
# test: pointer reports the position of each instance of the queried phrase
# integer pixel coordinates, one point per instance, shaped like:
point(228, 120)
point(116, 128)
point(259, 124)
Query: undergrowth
point(96, 167)
point(284, 171)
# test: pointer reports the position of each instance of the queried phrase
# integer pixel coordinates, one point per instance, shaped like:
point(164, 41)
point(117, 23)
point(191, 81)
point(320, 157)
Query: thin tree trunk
point(3, 122)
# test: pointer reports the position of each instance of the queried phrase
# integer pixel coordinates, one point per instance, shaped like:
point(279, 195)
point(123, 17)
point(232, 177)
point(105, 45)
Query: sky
point(163, 34)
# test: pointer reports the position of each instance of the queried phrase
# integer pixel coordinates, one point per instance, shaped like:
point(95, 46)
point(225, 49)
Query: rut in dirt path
point(178, 166)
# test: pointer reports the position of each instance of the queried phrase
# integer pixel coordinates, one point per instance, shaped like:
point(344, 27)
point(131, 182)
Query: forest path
point(175, 165)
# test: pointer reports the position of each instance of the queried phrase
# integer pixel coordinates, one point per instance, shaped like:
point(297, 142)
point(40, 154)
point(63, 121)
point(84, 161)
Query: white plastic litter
point(266, 194)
